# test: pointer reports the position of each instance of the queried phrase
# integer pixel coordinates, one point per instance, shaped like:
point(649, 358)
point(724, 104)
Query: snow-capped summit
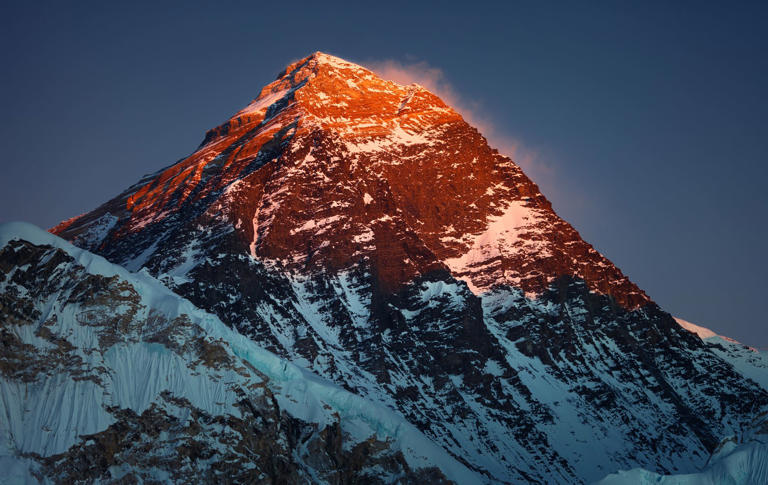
point(362, 229)
point(290, 173)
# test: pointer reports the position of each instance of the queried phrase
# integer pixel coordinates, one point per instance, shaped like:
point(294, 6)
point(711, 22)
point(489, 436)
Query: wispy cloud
point(536, 163)
point(433, 79)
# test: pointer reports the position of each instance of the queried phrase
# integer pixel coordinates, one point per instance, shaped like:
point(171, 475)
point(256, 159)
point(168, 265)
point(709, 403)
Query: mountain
point(108, 376)
point(363, 230)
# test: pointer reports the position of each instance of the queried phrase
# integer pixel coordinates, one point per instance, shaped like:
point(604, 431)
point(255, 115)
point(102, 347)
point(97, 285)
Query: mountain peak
point(319, 63)
point(321, 58)
point(336, 95)
point(332, 167)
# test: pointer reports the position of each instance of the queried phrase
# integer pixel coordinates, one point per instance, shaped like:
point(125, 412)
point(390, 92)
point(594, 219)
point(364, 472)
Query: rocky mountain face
point(363, 230)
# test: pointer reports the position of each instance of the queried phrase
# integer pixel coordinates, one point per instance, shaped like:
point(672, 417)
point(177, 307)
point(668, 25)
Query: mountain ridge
point(301, 102)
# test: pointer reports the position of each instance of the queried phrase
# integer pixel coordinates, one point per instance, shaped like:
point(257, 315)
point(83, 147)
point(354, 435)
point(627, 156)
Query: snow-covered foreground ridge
point(186, 363)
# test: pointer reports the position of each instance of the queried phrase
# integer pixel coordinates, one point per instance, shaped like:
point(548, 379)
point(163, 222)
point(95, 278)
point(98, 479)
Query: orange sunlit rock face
point(332, 167)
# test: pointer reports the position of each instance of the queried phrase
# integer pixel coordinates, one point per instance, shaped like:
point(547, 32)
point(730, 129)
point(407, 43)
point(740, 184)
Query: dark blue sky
point(646, 122)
